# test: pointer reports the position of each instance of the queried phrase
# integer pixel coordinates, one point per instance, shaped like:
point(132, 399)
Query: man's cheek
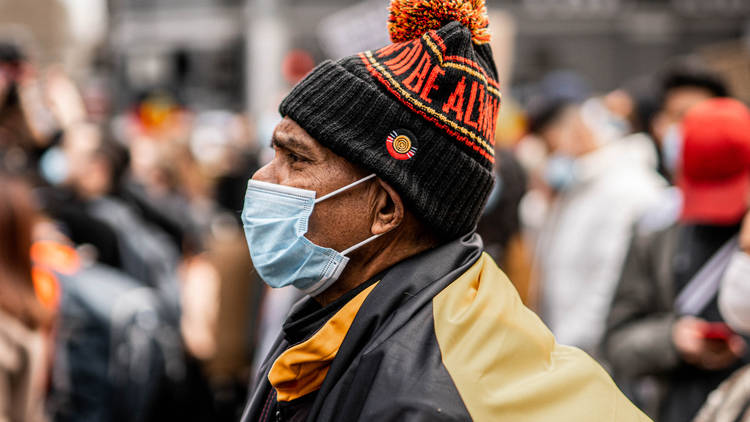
point(318, 228)
point(332, 224)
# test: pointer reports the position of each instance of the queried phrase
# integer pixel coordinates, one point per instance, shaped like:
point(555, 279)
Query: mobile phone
point(717, 331)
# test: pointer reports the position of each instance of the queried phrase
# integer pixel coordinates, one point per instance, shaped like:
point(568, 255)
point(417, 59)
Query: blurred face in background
point(568, 134)
point(89, 173)
point(677, 102)
point(152, 164)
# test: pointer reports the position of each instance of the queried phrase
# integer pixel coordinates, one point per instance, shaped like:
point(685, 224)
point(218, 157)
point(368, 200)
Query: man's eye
point(293, 157)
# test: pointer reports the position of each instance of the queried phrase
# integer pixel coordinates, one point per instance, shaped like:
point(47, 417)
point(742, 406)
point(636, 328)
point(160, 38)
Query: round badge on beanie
point(438, 79)
point(401, 144)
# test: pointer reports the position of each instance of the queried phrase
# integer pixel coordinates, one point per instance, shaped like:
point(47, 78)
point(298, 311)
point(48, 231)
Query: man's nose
point(266, 173)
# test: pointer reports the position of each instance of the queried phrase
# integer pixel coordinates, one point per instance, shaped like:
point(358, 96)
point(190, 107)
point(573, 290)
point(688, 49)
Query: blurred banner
point(353, 29)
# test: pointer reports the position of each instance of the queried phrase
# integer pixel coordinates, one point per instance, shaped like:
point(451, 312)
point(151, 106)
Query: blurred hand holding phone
point(717, 331)
point(707, 345)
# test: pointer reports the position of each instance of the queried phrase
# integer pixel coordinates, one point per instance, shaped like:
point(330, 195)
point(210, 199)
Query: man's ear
point(387, 210)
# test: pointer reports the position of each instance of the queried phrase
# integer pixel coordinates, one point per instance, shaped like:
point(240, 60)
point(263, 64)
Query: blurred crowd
point(127, 291)
point(636, 207)
point(633, 221)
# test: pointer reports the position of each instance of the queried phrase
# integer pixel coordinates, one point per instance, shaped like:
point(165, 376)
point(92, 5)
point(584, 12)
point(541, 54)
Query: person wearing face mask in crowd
point(36, 108)
point(731, 401)
point(664, 322)
point(682, 87)
point(383, 163)
point(87, 203)
point(598, 192)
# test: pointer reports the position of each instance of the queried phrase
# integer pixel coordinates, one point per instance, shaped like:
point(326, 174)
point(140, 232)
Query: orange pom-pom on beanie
point(410, 19)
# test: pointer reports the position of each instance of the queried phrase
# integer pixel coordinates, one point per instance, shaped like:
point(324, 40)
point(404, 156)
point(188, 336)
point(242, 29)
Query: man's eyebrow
point(289, 142)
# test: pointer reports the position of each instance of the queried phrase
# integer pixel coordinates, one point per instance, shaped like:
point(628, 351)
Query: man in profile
point(383, 164)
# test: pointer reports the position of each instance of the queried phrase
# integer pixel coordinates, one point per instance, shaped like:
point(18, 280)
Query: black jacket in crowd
point(442, 336)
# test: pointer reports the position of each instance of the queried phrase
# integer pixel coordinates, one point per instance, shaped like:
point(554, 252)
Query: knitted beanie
point(420, 113)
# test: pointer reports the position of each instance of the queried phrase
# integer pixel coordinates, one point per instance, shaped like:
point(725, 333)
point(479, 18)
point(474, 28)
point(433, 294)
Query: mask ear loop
point(349, 186)
point(338, 191)
point(360, 244)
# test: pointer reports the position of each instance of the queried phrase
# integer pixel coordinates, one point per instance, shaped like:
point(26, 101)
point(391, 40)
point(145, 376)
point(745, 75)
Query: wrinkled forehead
point(321, 161)
point(289, 134)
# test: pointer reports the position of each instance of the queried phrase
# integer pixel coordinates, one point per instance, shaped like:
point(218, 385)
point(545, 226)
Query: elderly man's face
point(300, 161)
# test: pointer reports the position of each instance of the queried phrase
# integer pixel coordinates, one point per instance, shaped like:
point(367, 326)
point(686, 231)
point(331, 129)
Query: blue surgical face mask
point(560, 172)
point(671, 148)
point(275, 218)
point(53, 166)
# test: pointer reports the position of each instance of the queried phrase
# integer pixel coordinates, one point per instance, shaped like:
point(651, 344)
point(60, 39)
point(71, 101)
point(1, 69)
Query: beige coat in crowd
point(22, 373)
point(730, 401)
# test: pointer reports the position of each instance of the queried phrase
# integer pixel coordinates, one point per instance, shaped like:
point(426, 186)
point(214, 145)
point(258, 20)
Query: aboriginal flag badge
point(401, 144)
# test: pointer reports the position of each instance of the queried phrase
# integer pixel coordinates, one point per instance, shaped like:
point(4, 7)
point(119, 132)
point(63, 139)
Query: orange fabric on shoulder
point(46, 287)
point(50, 257)
point(301, 369)
point(56, 256)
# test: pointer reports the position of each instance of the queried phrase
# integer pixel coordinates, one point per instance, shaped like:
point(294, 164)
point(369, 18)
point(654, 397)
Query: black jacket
point(443, 336)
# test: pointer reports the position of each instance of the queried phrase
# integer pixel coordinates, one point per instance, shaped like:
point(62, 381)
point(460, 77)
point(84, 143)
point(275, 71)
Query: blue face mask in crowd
point(53, 166)
point(275, 219)
point(671, 148)
point(560, 172)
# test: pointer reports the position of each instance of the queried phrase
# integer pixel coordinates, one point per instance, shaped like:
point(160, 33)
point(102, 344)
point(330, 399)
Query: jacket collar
point(404, 289)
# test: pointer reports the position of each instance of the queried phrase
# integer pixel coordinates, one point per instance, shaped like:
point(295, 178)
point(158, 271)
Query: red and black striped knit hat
point(420, 113)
